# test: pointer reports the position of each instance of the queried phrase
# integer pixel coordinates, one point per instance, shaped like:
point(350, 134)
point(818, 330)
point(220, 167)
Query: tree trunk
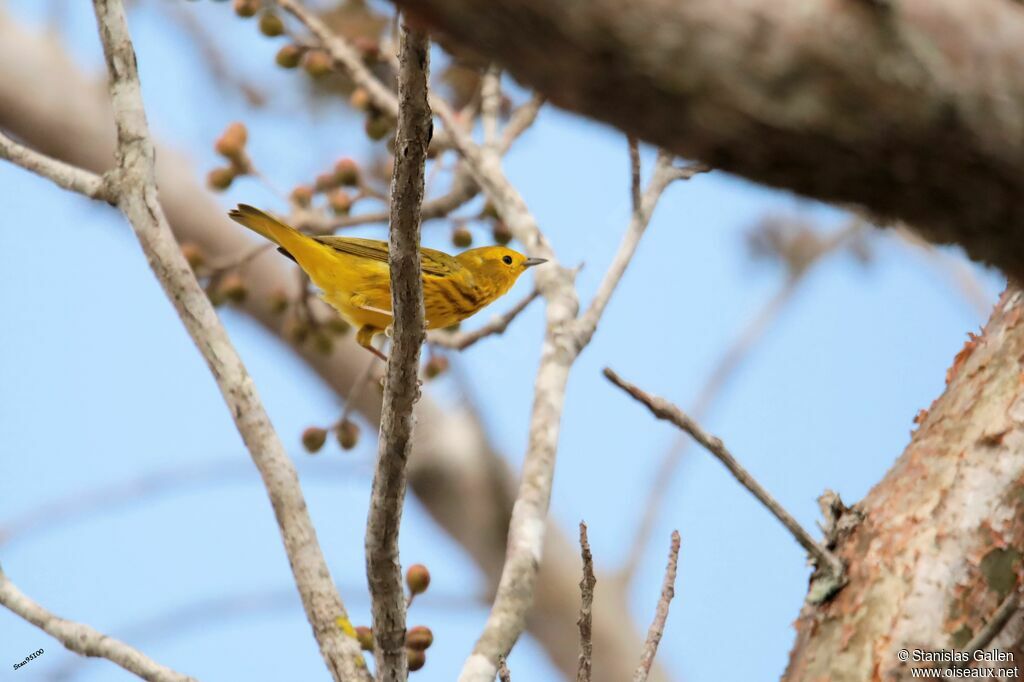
point(940, 541)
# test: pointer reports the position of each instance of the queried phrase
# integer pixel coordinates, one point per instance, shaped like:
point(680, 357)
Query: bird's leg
point(364, 337)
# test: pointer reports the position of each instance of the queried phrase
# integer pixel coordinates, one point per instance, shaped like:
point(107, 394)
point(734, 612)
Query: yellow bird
point(355, 278)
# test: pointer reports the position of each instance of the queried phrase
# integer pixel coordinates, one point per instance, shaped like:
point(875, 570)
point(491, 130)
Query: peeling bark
point(940, 543)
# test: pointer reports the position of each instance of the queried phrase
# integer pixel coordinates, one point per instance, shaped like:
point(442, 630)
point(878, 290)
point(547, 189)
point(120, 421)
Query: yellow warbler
point(355, 278)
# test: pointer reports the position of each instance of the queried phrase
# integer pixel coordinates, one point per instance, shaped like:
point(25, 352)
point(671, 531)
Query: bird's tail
point(293, 243)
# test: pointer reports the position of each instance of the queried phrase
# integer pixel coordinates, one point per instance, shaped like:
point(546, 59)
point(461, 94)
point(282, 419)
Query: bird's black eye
point(507, 260)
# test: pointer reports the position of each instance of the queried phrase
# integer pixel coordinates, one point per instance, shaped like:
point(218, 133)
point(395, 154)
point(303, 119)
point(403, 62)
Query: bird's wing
point(432, 262)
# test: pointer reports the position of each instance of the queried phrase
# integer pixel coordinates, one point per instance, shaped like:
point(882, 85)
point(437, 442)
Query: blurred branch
point(462, 191)
point(212, 55)
point(657, 628)
point(197, 618)
point(958, 270)
point(585, 621)
point(401, 385)
point(490, 103)
point(522, 118)
point(664, 73)
point(565, 338)
point(84, 640)
point(345, 56)
point(724, 369)
point(497, 326)
point(832, 569)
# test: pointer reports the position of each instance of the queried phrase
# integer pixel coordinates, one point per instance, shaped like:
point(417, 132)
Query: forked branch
point(401, 385)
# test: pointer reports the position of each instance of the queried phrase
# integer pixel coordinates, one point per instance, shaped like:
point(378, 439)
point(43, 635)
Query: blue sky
point(100, 385)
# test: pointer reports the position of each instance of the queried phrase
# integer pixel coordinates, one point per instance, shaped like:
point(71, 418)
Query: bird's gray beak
point(530, 262)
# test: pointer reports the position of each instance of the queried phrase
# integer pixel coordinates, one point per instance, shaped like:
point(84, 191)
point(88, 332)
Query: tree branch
point(62, 174)
point(585, 621)
point(84, 640)
point(657, 629)
point(401, 385)
point(346, 57)
point(497, 326)
point(723, 370)
point(824, 116)
point(132, 186)
point(827, 562)
point(564, 340)
point(522, 118)
point(664, 174)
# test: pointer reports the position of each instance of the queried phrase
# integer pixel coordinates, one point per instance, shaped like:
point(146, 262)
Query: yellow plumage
point(355, 279)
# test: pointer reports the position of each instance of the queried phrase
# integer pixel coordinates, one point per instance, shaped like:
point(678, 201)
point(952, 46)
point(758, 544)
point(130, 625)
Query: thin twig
point(84, 640)
point(724, 369)
point(497, 326)
point(237, 260)
point(662, 409)
point(345, 56)
point(664, 174)
point(358, 386)
point(133, 185)
point(585, 621)
point(63, 174)
point(210, 49)
point(463, 189)
point(957, 269)
point(401, 385)
point(73, 508)
point(657, 629)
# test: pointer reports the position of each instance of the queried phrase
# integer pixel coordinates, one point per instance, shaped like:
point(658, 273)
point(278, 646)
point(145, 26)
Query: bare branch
point(662, 409)
point(62, 174)
point(84, 640)
point(401, 385)
point(664, 174)
point(957, 269)
point(522, 118)
point(463, 189)
point(134, 187)
point(346, 57)
point(723, 370)
point(585, 621)
point(497, 326)
point(657, 629)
